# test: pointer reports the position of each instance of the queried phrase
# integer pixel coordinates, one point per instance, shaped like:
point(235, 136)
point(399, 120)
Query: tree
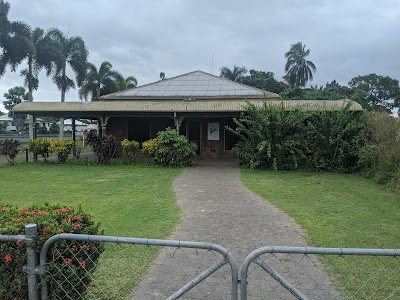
point(298, 69)
point(264, 80)
point(162, 75)
point(100, 82)
point(236, 74)
point(68, 51)
point(331, 91)
point(129, 82)
point(376, 92)
point(13, 44)
point(38, 55)
point(15, 96)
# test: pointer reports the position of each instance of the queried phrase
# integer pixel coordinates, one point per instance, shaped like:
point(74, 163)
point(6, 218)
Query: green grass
point(133, 201)
point(336, 210)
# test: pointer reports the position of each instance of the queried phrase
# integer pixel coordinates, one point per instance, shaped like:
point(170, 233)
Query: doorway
point(194, 134)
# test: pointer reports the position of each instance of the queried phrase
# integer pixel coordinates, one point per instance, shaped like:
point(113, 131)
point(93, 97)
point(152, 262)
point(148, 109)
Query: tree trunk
point(30, 98)
point(63, 88)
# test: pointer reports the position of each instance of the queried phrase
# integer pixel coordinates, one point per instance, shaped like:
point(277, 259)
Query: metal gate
point(320, 273)
point(69, 269)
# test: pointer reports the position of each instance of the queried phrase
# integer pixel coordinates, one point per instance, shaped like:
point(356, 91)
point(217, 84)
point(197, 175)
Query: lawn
point(134, 201)
point(336, 210)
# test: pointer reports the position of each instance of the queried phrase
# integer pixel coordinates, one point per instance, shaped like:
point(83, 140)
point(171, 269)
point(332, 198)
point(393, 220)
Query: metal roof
point(197, 84)
point(232, 105)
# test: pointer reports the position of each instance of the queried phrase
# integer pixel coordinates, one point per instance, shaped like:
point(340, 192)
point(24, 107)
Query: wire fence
point(74, 266)
point(321, 273)
point(13, 264)
point(175, 269)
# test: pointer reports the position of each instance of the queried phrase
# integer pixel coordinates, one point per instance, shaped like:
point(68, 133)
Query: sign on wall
point(213, 131)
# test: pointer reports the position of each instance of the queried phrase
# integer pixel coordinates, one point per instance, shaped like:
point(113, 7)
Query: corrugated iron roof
point(197, 84)
point(234, 105)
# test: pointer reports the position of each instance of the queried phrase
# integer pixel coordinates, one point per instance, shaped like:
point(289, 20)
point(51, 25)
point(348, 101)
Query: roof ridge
point(237, 83)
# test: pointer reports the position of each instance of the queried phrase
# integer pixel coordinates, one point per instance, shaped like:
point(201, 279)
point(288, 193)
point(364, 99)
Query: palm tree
point(68, 51)
point(298, 69)
point(100, 82)
point(129, 82)
point(13, 44)
point(38, 55)
point(236, 74)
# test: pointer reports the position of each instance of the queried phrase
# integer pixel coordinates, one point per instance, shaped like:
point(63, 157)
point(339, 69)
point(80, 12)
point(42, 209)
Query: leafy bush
point(271, 137)
point(62, 148)
point(171, 149)
point(104, 147)
point(67, 261)
point(150, 146)
point(129, 149)
point(40, 146)
point(9, 148)
point(380, 157)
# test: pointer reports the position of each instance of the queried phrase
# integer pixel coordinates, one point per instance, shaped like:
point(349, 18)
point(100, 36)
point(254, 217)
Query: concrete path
point(217, 208)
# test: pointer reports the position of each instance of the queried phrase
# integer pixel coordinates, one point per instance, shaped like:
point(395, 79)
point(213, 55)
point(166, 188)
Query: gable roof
point(197, 84)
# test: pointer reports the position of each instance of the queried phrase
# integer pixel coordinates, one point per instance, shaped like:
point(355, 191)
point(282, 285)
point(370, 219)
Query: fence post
point(31, 261)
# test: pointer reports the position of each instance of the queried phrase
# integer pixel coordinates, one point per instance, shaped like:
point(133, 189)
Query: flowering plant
point(67, 259)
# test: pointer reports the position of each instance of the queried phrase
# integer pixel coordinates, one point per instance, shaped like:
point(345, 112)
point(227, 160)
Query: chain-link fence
point(74, 266)
point(175, 269)
point(17, 257)
point(321, 273)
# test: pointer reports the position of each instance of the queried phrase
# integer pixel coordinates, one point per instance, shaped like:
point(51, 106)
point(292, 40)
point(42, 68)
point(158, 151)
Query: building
point(199, 105)
point(8, 122)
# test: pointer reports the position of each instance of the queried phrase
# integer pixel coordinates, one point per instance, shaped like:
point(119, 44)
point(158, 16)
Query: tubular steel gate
point(69, 269)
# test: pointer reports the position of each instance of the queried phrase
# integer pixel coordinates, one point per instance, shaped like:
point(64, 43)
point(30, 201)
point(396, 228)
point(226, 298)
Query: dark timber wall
point(147, 128)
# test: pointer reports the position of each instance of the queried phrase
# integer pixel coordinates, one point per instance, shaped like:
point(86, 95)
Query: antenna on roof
point(212, 61)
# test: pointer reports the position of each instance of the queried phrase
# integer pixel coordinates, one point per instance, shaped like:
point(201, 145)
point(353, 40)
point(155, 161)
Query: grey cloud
point(143, 38)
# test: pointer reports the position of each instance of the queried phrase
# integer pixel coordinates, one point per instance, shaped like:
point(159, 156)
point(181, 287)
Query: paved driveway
point(217, 208)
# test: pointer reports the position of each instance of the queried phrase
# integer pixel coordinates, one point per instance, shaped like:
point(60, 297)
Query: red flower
point(75, 218)
point(65, 220)
point(68, 261)
point(3, 208)
point(46, 229)
point(74, 249)
point(60, 230)
point(7, 258)
point(76, 227)
point(82, 264)
point(24, 211)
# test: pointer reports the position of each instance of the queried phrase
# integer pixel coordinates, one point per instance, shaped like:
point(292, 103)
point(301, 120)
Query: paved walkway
point(217, 208)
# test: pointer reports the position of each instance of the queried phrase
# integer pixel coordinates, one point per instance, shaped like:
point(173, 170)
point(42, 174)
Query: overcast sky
point(143, 38)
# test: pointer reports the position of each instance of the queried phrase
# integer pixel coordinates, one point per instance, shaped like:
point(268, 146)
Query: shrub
point(103, 147)
point(66, 262)
point(171, 149)
point(62, 148)
point(39, 146)
point(9, 148)
point(271, 137)
point(150, 146)
point(129, 149)
point(380, 157)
